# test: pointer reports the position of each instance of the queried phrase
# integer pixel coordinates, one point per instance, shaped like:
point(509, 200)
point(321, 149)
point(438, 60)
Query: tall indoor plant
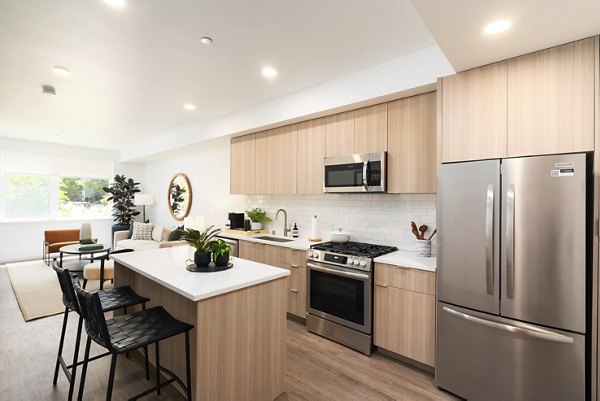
point(122, 192)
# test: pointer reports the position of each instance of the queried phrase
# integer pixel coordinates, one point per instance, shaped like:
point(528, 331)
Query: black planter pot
point(202, 259)
point(222, 260)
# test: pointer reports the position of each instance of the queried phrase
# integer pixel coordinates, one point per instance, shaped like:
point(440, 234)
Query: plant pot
point(222, 260)
point(202, 259)
point(254, 226)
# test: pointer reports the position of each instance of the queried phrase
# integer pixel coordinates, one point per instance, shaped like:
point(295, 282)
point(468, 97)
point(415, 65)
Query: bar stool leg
point(60, 345)
point(111, 377)
point(146, 364)
point(86, 356)
point(187, 366)
point(75, 356)
point(157, 368)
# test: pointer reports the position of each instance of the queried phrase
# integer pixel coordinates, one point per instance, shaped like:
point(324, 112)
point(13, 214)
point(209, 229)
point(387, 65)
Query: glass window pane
point(26, 196)
point(83, 197)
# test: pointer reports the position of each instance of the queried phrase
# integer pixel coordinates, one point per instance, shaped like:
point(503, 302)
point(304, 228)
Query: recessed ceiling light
point(269, 72)
point(62, 71)
point(189, 107)
point(497, 26)
point(115, 3)
point(48, 90)
point(206, 40)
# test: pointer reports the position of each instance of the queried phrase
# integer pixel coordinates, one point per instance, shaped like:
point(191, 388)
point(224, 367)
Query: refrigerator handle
point(536, 333)
point(489, 240)
point(510, 241)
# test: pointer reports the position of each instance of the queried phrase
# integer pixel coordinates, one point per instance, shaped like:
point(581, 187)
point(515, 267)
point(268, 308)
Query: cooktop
point(350, 248)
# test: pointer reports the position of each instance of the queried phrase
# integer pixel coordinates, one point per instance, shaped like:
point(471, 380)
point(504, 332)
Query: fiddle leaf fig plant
point(122, 192)
point(202, 241)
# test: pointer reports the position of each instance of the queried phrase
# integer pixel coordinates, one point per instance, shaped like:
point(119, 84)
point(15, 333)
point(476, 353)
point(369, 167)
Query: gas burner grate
point(355, 248)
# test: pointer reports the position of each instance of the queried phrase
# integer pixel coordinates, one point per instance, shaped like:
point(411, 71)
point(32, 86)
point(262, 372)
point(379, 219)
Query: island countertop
point(166, 266)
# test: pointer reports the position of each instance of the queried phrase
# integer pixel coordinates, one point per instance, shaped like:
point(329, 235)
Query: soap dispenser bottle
point(295, 231)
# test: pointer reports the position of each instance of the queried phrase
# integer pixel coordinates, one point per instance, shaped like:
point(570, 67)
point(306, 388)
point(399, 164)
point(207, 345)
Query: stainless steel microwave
point(365, 172)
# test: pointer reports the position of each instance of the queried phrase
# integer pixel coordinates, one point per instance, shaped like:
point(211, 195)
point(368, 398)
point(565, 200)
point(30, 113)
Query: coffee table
point(77, 265)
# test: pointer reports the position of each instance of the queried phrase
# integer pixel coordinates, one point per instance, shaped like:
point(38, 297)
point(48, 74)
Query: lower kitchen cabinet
point(404, 320)
point(285, 258)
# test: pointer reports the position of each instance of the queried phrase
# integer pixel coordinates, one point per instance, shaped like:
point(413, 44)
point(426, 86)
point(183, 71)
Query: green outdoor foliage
point(202, 241)
point(122, 192)
point(258, 215)
point(219, 248)
point(26, 196)
point(71, 189)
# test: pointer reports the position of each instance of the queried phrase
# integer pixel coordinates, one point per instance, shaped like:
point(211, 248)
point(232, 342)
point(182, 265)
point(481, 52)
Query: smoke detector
point(48, 89)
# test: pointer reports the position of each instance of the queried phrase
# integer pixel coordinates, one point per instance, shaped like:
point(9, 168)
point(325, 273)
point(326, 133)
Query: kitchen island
point(238, 343)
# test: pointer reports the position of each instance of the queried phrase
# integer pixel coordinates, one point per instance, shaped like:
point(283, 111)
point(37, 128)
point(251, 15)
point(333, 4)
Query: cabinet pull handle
point(381, 285)
point(292, 290)
point(296, 266)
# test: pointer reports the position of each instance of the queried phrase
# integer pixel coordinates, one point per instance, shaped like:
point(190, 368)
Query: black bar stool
point(110, 299)
point(127, 333)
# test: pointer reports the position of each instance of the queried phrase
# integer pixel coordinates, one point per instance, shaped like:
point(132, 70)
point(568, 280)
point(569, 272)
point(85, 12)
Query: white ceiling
point(133, 68)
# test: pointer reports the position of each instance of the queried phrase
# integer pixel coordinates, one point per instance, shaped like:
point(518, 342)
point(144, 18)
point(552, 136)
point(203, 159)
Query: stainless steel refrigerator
point(514, 278)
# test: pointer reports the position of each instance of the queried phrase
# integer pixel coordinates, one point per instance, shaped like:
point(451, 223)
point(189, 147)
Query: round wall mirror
point(179, 196)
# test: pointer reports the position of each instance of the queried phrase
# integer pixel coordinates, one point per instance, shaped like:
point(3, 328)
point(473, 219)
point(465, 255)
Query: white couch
point(122, 242)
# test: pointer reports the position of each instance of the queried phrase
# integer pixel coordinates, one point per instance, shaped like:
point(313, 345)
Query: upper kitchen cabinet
point(474, 107)
point(551, 100)
point(371, 129)
point(311, 151)
point(340, 134)
point(412, 144)
point(276, 158)
point(242, 164)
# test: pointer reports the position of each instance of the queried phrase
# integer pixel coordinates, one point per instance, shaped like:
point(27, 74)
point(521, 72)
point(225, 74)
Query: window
point(47, 187)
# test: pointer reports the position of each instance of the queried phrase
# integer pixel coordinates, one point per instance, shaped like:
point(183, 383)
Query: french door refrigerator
point(514, 278)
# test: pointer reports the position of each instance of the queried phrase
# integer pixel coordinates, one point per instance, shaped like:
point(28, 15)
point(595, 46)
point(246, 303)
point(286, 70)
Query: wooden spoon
point(414, 229)
point(422, 230)
point(431, 236)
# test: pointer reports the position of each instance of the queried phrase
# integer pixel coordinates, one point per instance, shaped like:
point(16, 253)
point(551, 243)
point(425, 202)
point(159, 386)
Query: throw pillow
point(157, 232)
point(176, 234)
point(142, 231)
point(166, 232)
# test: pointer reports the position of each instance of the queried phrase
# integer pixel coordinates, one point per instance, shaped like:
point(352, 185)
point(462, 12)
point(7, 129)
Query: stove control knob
point(316, 255)
point(310, 254)
point(356, 262)
point(350, 261)
point(363, 263)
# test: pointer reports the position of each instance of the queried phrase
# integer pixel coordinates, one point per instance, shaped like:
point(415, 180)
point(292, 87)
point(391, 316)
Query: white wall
point(208, 172)
point(382, 219)
point(23, 240)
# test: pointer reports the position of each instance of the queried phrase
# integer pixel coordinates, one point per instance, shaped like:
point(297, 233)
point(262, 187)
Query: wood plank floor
point(317, 369)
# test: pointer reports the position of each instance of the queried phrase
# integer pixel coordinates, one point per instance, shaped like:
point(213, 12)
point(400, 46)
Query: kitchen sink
point(274, 239)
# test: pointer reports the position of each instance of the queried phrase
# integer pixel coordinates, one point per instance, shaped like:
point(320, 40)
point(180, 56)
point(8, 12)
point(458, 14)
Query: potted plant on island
point(122, 192)
point(203, 242)
point(220, 251)
point(258, 217)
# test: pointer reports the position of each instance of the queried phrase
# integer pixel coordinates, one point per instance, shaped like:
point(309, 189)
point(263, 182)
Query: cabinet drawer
point(405, 278)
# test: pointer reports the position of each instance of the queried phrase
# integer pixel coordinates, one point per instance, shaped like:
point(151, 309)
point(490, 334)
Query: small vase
point(423, 248)
point(222, 260)
point(202, 259)
point(255, 226)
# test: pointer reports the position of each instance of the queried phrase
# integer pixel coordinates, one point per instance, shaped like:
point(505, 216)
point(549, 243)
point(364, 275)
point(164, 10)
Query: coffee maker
point(236, 221)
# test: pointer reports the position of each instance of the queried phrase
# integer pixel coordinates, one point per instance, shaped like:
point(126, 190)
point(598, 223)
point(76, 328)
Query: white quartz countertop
point(295, 243)
point(408, 259)
point(166, 266)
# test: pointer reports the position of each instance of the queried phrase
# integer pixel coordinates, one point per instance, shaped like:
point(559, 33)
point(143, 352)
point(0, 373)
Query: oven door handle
point(337, 272)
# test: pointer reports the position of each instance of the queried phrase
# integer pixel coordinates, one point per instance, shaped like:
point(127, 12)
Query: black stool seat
point(117, 298)
point(127, 333)
point(137, 329)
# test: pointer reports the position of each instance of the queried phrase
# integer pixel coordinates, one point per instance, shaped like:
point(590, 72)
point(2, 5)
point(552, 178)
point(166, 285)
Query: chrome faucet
point(285, 226)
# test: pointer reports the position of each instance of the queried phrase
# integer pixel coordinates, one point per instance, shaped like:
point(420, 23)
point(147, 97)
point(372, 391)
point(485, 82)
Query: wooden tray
point(239, 232)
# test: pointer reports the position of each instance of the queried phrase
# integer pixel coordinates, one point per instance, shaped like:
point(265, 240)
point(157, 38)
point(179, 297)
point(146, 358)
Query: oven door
point(340, 295)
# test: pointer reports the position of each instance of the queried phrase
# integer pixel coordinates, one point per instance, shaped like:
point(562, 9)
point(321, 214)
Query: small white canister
point(423, 248)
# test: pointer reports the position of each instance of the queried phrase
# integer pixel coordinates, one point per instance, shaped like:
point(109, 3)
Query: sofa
point(121, 241)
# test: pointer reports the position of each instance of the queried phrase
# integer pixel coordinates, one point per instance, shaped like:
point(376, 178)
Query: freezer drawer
point(484, 357)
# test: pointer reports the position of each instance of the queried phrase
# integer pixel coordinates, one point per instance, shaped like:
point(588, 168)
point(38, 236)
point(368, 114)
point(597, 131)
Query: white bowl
point(339, 236)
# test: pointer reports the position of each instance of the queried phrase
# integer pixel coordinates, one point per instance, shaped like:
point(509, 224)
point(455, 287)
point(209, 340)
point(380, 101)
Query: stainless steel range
point(340, 292)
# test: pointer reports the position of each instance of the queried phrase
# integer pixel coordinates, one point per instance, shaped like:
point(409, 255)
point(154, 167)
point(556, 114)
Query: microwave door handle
point(365, 170)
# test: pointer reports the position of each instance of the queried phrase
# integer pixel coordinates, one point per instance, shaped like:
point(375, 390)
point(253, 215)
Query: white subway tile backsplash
point(375, 218)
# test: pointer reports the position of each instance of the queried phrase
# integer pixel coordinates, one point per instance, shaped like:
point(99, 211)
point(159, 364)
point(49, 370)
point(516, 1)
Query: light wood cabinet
point(474, 107)
point(551, 100)
point(404, 312)
point(371, 129)
point(311, 151)
point(340, 134)
point(412, 144)
point(248, 250)
point(276, 158)
point(242, 164)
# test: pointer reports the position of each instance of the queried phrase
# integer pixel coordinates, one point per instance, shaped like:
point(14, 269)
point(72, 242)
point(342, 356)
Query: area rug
point(37, 290)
